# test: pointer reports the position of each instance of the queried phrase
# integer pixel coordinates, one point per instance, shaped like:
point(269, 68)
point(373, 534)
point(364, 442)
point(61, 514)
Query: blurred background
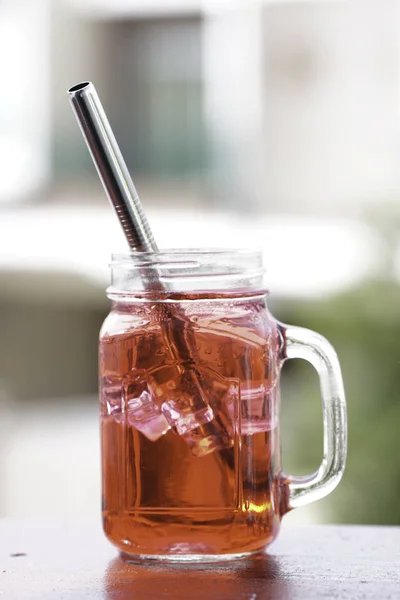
point(271, 124)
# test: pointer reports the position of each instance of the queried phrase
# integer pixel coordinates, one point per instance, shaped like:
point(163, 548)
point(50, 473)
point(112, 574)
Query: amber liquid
point(190, 448)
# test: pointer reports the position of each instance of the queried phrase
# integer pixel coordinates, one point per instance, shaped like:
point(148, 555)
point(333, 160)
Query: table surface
point(55, 561)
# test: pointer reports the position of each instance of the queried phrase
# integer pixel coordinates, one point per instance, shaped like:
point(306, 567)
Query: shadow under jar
point(190, 361)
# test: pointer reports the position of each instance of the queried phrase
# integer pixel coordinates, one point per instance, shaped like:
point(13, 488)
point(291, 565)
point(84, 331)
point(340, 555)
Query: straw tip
point(79, 87)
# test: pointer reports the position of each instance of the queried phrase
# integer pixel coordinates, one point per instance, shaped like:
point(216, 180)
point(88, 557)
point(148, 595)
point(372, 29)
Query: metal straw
point(111, 166)
point(122, 194)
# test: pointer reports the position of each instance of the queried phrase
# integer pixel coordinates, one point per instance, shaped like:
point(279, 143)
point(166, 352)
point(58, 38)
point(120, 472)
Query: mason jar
point(190, 363)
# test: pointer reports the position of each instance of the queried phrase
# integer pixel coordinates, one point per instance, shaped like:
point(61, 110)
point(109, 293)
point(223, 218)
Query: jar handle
point(308, 345)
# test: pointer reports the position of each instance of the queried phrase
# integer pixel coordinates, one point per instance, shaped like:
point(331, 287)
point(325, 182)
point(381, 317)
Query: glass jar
point(190, 362)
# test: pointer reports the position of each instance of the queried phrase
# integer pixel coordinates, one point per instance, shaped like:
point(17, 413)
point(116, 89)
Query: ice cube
point(180, 415)
point(145, 415)
point(130, 400)
point(111, 396)
point(258, 410)
point(207, 426)
point(201, 445)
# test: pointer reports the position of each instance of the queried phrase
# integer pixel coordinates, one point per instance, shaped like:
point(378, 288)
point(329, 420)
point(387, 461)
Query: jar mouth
point(188, 269)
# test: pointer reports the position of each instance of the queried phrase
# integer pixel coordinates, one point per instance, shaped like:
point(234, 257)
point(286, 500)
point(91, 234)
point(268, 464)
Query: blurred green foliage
point(364, 327)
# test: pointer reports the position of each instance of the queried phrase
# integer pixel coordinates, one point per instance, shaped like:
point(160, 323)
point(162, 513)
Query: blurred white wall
point(79, 53)
point(234, 99)
point(332, 81)
point(303, 111)
point(25, 99)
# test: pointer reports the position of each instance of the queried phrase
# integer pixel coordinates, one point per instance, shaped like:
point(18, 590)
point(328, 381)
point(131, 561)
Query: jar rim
point(187, 269)
point(132, 256)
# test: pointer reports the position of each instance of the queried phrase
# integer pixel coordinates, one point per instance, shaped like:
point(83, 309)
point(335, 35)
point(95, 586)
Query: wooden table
point(63, 563)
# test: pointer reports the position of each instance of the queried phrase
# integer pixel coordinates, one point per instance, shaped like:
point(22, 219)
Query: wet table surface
point(54, 561)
